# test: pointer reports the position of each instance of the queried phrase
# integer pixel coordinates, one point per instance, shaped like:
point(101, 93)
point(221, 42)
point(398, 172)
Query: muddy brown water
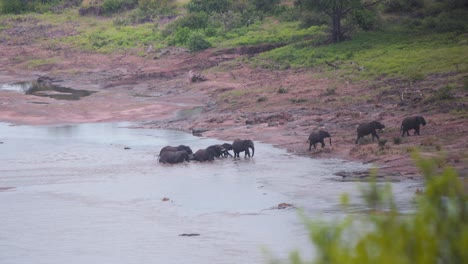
point(94, 193)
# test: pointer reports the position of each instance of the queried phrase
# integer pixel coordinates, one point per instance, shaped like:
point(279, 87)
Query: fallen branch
point(332, 65)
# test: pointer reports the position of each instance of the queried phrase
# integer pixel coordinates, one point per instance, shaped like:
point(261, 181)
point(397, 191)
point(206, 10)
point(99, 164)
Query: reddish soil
point(237, 102)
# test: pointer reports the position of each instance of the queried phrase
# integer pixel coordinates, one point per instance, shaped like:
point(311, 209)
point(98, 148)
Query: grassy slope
point(390, 53)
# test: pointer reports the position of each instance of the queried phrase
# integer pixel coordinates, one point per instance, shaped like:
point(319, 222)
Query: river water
point(95, 193)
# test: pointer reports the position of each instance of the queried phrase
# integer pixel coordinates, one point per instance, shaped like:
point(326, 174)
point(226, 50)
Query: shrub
point(282, 90)
point(330, 91)
point(365, 19)
point(262, 99)
point(209, 6)
point(197, 42)
point(161, 7)
point(436, 232)
point(112, 6)
point(298, 100)
point(397, 140)
point(445, 93)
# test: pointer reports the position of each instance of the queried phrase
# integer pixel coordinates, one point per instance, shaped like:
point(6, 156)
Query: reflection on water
point(45, 89)
point(81, 197)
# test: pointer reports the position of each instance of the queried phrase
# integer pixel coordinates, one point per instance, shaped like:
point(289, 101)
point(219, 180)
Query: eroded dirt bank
point(236, 101)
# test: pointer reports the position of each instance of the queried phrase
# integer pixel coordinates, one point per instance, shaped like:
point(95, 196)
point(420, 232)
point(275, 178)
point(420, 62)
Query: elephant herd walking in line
point(184, 153)
point(370, 128)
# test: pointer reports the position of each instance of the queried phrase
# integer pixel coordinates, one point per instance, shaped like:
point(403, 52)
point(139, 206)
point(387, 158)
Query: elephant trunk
point(330, 141)
point(253, 151)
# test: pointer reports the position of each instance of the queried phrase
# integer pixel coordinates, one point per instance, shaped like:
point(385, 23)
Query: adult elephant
point(240, 145)
point(317, 137)
point(204, 155)
point(412, 122)
point(173, 157)
point(178, 148)
point(365, 129)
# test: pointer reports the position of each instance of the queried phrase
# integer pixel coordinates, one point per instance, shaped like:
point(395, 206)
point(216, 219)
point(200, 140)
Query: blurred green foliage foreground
point(436, 232)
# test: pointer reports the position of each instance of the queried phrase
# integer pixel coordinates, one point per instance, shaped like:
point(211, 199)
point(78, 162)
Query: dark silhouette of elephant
point(412, 122)
point(216, 150)
point(365, 129)
point(227, 147)
point(317, 137)
point(204, 155)
point(178, 148)
point(240, 145)
point(173, 157)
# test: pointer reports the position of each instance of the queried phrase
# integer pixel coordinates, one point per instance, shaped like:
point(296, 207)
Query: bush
point(209, 6)
point(12, 6)
point(436, 232)
point(180, 36)
point(20, 6)
point(445, 93)
point(160, 7)
point(365, 19)
point(112, 6)
point(397, 140)
point(197, 42)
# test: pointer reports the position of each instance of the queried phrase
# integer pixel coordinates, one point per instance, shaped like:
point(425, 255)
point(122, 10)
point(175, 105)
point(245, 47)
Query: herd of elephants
point(182, 153)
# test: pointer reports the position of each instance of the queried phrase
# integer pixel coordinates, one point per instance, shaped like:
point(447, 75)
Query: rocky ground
point(280, 107)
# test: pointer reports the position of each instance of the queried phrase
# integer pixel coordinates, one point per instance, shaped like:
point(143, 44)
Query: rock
point(190, 234)
point(194, 77)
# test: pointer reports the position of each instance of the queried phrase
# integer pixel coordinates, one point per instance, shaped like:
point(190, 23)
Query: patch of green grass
point(37, 63)
point(269, 31)
point(388, 53)
point(106, 38)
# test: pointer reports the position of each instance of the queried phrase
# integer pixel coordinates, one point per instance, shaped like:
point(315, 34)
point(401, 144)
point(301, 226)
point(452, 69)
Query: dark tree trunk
point(336, 27)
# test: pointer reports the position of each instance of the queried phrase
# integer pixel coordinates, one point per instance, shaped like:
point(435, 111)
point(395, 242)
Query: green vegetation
point(436, 232)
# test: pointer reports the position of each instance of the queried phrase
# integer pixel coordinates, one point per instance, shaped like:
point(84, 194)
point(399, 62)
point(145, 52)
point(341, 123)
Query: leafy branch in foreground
point(436, 232)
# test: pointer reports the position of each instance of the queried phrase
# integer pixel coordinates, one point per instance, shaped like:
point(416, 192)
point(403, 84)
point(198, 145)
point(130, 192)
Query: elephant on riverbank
point(178, 148)
point(317, 137)
point(365, 129)
point(173, 157)
point(240, 145)
point(412, 122)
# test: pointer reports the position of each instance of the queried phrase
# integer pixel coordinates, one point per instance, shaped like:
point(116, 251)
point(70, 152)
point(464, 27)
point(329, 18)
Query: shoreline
point(239, 103)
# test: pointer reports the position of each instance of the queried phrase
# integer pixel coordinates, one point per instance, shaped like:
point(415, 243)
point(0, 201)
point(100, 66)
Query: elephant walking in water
point(178, 148)
point(365, 129)
point(317, 137)
point(173, 157)
point(412, 123)
point(239, 146)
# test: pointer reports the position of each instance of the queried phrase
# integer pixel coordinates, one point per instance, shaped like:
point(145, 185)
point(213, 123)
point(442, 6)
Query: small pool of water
point(44, 89)
point(95, 193)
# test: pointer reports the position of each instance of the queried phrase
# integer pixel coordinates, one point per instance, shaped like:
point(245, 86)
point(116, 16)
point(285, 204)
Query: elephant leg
point(357, 140)
point(323, 143)
point(374, 134)
point(416, 131)
point(247, 153)
point(403, 133)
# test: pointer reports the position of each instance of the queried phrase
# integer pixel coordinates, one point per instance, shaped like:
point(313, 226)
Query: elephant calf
point(317, 137)
point(412, 122)
point(239, 146)
point(365, 129)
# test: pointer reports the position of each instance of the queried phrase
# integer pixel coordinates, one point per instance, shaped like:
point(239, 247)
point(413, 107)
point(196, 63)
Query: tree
point(336, 10)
